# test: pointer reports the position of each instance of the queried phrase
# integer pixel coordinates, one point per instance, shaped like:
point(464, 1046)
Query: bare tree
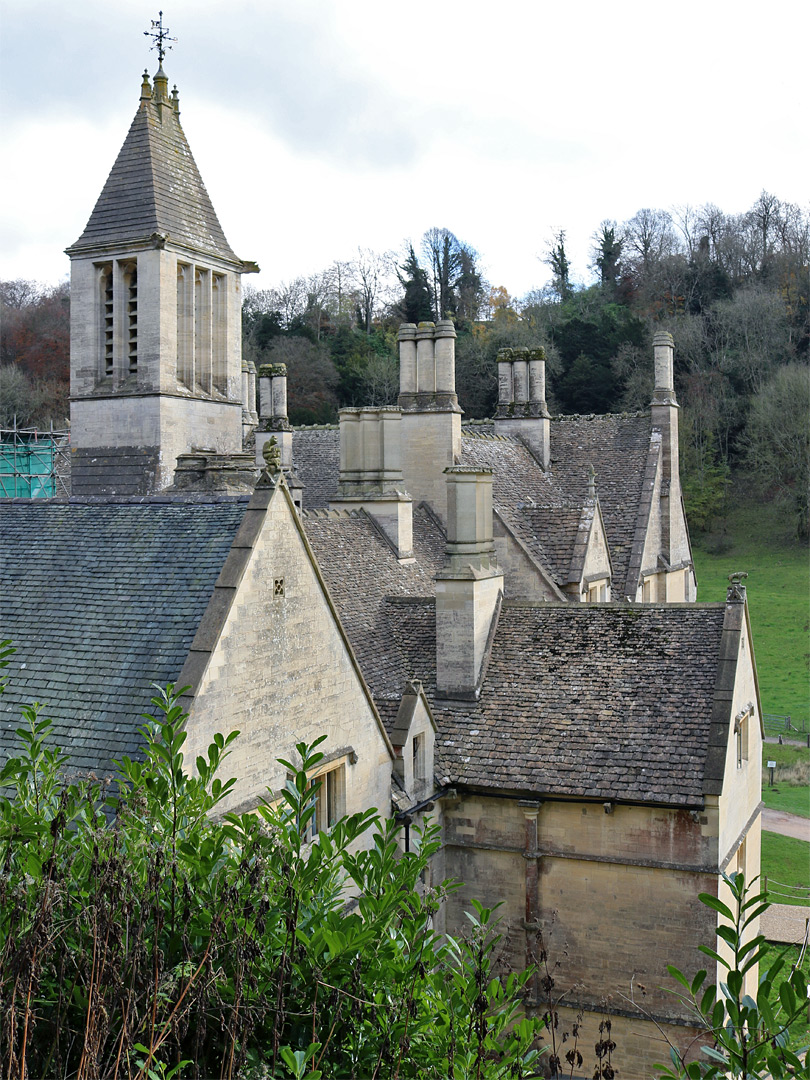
point(371, 274)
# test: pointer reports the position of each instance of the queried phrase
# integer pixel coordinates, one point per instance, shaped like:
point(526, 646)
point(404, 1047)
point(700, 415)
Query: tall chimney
point(273, 413)
point(522, 410)
point(250, 418)
point(431, 417)
point(469, 587)
point(664, 417)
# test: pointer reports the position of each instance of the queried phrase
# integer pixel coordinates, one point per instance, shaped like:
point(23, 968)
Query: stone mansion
point(496, 624)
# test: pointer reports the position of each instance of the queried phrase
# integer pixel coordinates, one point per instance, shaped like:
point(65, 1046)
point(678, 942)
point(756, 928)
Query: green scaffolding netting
point(27, 470)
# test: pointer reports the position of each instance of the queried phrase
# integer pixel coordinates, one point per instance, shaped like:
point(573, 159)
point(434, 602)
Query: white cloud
point(329, 124)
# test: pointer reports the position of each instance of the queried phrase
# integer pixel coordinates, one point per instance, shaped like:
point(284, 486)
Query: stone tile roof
point(528, 500)
point(518, 478)
point(155, 187)
point(601, 702)
point(583, 701)
point(553, 532)
point(102, 597)
point(362, 573)
point(316, 455)
point(618, 447)
point(543, 509)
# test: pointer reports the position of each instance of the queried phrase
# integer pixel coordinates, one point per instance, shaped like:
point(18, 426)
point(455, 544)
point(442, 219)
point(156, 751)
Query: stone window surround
point(202, 312)
point(116, 320)
point(330, 800)
point(741, 732)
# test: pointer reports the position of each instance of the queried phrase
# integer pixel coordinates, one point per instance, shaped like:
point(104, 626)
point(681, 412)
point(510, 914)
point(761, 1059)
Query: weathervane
point(160, 34)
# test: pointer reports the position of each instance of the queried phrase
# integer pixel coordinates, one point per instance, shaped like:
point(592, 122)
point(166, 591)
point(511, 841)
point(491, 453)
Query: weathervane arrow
point(160, 35)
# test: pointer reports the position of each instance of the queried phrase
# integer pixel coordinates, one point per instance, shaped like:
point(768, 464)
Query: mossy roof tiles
point(608, 702)
point(617, 446)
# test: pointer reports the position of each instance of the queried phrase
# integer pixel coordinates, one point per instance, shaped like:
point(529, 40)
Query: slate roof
point(361, 572)
point(580, 701)
point(155, 187)
point(529, 501)
point(316, 455)
point(553, 531)
point(618, 447)
point(544, 509)
point(101, 598)
point(601, 702)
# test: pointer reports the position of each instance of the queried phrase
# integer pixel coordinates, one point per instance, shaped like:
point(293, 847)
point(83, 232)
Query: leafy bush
point(144, 935)
point(748, 1038)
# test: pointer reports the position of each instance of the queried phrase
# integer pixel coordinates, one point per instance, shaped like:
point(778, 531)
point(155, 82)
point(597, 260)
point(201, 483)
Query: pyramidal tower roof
point(154, 193)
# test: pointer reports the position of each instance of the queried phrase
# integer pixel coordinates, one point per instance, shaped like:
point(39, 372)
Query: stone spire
point(155, 188)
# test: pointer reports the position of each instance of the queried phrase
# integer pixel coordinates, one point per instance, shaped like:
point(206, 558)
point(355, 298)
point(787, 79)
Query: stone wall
point(166, 425)
point(270, 660)
point(614, 894)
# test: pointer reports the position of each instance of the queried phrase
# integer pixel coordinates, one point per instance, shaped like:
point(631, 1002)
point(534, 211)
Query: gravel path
point(784, 923)
point(787, 824)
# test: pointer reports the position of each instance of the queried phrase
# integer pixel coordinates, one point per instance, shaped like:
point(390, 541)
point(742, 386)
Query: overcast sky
point(321, 125)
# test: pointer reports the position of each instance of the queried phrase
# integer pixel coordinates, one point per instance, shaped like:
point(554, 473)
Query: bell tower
point(155, 326)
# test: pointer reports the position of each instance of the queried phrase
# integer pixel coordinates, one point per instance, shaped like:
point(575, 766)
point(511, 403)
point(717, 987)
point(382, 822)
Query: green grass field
point(786, 862)
point(800, 1032)
point(759, 541)
point(792, 800)
point(791, 790)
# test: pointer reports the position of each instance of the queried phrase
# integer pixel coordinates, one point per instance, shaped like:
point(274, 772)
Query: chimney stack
point(371, 473)
point(470, 586)
point(431, 417)
point(273, 420)
point(675, 548)
point(522, 409)
point(250, 418)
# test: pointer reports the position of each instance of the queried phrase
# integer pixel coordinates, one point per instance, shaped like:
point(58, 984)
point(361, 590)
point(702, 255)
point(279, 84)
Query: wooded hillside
point(733, 289)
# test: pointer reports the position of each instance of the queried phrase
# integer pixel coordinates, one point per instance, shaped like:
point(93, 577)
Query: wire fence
point(798, 894)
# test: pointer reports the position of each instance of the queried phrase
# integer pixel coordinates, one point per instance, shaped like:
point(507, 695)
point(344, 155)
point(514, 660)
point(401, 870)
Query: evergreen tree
point(415, 305)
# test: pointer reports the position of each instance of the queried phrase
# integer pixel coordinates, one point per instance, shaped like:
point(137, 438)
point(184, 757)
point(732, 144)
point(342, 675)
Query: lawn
point(786, 862)
point(800, 1032)
point(757, 540)
point(791, 790)
point(791, 800)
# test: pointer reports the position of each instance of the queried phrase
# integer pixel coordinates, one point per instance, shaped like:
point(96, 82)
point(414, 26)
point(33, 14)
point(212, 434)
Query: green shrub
point(142, 935)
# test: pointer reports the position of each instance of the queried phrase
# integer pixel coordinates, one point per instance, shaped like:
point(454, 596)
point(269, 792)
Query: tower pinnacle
point(160, 35)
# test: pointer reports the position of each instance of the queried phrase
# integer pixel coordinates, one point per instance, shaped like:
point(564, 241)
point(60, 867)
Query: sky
point(321, 126)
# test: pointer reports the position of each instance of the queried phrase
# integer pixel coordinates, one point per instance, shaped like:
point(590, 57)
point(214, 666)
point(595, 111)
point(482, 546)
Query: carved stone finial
point(736, 590)
point(591, 482)
point(271, 452)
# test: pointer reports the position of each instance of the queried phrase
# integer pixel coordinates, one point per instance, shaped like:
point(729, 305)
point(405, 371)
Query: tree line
point(733, 289)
